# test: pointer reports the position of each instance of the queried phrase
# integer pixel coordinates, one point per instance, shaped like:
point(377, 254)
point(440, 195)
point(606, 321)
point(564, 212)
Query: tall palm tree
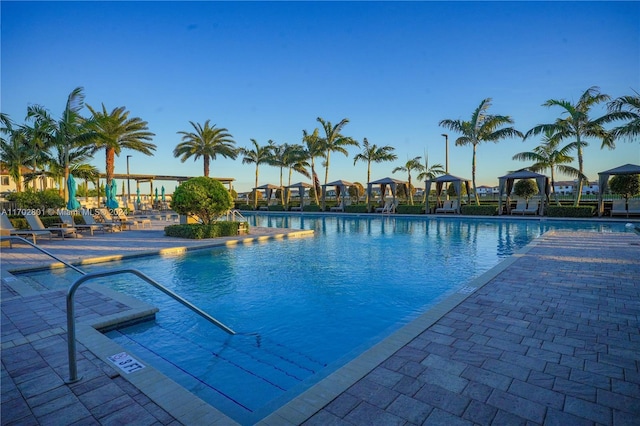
point(626, 108)
point(70, 131)
point(412, 164)
point(334, 141)
point(374, 154)
point(258, 155)
point(482, 127)
point(314, 149)
point(577, 126)
point(429, 173)
point(549, 155)
point(115, 131)
point(14, 152)
point(294, 158)
point(207, 142)
point(40, 140)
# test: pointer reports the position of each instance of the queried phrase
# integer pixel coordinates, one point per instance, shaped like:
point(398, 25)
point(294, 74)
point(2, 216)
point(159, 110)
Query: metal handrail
point(71, 324)
point(13, 237)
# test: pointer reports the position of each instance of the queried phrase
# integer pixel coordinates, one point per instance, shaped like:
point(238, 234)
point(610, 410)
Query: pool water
point(303, 307)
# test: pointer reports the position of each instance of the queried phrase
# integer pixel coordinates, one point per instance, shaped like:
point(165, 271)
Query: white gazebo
point(603, 181)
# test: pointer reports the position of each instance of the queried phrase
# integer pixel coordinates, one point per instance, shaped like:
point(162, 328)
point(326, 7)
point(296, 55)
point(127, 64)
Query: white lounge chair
point(619, 208)
point(521, 207)
point(67, 220)
point(90, 220)
point(305, 203)
point(385, 208)
point(449, 206)
point(532, 207)
point(36, 224)
point(634, 206)
point(138, 221)
point(5, 224)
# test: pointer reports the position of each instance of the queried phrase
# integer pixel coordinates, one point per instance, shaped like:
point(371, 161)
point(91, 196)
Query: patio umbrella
point(138, 200)
point(156, 199)
point(162, 193)
point(72, 204)
point(112, 192)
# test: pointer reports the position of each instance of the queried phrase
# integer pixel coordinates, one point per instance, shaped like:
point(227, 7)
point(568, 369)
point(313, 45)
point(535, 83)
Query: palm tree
point(548, 155)
point(294, 158)
point(38, 137)
point(482, 127)
point(626, 108)
point(314, 149)
point(14, 153)
point(206, 142)
point(430, 173)
point(334, 141)
point(412, 164)
point(577, 126)
point(70, 131)
point(258, 155)
point(374, 154)
point(115, 131)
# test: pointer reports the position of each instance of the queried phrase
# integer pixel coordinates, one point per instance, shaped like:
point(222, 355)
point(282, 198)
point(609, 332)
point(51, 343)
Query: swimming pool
point(306, 306)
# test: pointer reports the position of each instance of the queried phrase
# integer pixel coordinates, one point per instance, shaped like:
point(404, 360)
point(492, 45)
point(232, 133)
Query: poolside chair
point(385, 208)
point(138, 221)
point(36, 225)
point(446, 207)
point(521, 207)
point(633, 207)
point(5, 224)
point(532, 207)
point(90, 220)
point(305, 203)
point(67, 219)
point(108, 218)
point(619, 208)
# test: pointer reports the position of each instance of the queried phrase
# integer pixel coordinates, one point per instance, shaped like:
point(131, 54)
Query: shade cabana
point(603, 181)
point(391, 183)
point(342, 188)
point(505, 186)
point(301, 187)
point(440, 181)
point(268, 189)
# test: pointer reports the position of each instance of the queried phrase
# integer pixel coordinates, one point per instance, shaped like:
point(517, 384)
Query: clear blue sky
point(266, 70)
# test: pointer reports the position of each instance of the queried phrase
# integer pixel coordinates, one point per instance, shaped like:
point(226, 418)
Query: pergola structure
point(440, 181)
point(384, 183)
point(342, 187)
point(505, 186)
point(301, 187)
point(603, 181)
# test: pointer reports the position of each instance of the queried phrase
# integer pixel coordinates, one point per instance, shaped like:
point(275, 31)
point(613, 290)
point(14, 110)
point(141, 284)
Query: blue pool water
point(304, 307)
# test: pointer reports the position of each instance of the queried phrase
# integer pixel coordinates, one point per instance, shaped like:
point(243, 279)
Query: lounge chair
point(305, 203)
point(449, 206)
point(5, 224)
point(36, 225)
point(521, 207)
point(340, 207)
point(385, 208)
point(532, 207)
point(67, 220)
point(619, 208)
point(139, 221)
point(634, 206)
point(108, 218)
point(90, 220)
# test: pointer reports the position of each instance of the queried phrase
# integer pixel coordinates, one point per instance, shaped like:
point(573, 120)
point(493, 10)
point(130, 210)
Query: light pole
point(128, 183)
point(446, 161)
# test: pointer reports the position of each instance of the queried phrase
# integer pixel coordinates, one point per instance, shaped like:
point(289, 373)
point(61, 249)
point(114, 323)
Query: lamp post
point(446, 161)
point(128, 183)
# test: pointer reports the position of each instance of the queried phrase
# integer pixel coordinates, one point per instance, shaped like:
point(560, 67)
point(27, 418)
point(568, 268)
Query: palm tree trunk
point(255, 191)
point(581, 168)
point(367, 183)
point(553, 185)
point(473, 176)
point(206, 165)
point(313, 175)
point(410, 191)
point(110, 159)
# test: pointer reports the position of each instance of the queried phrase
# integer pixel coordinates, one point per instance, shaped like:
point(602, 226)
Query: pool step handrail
point(71, 323)
point(54, 257)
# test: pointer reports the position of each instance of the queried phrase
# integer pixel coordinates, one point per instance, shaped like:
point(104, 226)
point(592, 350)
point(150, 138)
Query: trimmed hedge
point(563, 211)
point(197, 231)
point(405, 209)
point(356, 208)
point(276, 208)
point(312, 208)
point(473, 210)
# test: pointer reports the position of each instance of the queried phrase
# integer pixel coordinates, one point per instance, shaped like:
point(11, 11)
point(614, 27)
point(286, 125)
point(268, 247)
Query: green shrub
point(626, 185)
point(525, 188)
point(566, 211)
point(203, 197)
point(197, 231)
point(356, 208)
point(404, 209)
point(473, 210)
point(312, 208)
point(43, 200)
point(244, 207)
point(276, 208)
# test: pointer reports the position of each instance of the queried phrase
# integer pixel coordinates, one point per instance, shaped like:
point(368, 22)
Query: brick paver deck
point(552, 339)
